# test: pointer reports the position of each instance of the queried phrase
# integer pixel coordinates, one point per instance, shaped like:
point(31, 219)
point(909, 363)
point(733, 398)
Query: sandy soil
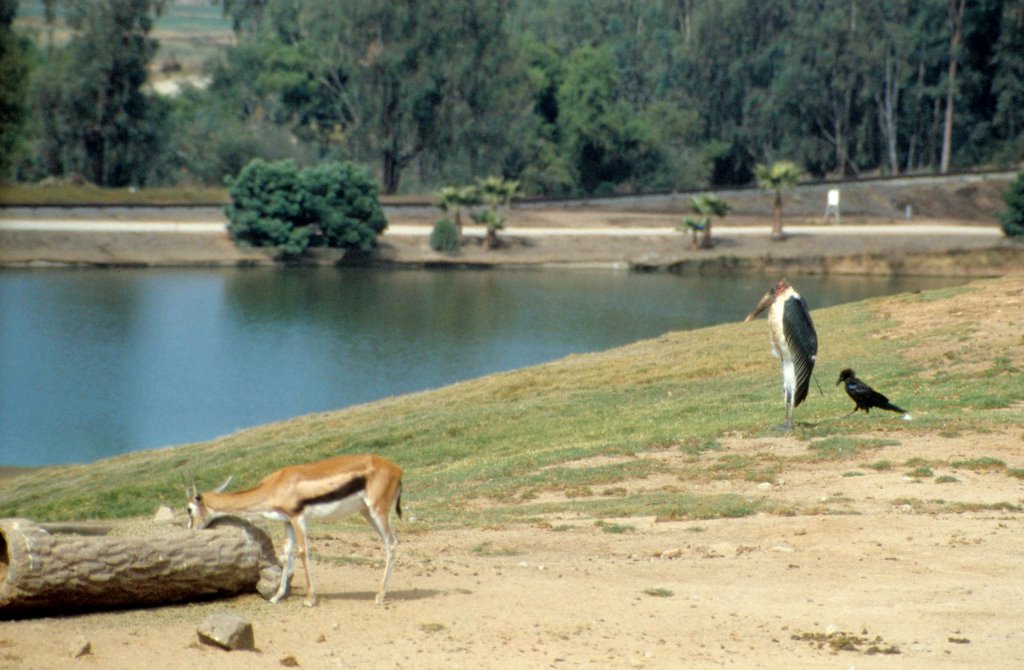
point(884, 576)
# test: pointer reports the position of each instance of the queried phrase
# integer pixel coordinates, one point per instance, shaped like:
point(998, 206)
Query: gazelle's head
point(197, 511)
point(199, 515)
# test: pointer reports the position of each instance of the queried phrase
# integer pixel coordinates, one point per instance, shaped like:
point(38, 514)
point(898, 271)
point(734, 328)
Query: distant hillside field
point(189, 33)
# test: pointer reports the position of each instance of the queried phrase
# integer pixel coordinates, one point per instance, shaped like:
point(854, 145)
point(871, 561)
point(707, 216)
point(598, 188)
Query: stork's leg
point(788, 392)
point(787, 395)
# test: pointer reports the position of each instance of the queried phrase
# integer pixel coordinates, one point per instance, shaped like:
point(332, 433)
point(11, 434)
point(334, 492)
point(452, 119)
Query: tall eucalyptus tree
point(956, 20)
point(427, 84)
point(1008, 80)
point(105, 127)
point(14, 71)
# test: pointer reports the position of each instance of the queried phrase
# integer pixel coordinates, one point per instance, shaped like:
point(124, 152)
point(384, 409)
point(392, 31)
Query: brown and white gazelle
point(335, 487)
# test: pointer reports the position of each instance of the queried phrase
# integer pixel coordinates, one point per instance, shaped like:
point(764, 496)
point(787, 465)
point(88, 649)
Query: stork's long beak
point(765, 303)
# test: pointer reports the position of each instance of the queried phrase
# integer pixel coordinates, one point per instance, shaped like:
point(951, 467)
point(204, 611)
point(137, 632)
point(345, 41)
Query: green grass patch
point(615, 528)
point(845, 448)
point(848, 642)
point(983, 464)
point(490, 550)
point(348, 560)
point(63, 194)
point(938, 506)
point(663, 505)
point(757, 468)
point(659, 593)
point(433, 627)
point(1001, 506)
point(569, 436)
point(696, 447)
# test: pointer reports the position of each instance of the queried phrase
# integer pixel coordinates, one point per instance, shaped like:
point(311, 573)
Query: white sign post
point(832, 205)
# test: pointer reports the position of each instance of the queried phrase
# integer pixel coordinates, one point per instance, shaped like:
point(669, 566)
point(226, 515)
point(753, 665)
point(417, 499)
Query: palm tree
point(708, 205)
point(454, 199)
point(694, 225)
point(779, 176)
point(494, 192)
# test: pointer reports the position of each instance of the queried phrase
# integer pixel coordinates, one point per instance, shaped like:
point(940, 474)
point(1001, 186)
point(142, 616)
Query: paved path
point(412, 230)
point(724, 231)
point(86, 226)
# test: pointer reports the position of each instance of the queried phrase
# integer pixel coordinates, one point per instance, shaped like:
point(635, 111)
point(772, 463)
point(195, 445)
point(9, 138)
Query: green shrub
point(1012, 218)
point(276, 205)
point(266, 206)
point(342, 199)
point(444, 236)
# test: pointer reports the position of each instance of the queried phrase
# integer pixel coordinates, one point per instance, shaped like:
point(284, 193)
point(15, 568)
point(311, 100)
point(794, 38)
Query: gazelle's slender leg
point(389, 551)
point(306, 558)
point(289, 564)
point(390, 540)
point(390, 545)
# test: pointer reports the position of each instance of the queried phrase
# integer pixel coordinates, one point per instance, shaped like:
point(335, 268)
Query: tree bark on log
point(52, 573)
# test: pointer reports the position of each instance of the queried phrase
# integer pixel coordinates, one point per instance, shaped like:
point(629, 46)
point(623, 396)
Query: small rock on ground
point(227, 631)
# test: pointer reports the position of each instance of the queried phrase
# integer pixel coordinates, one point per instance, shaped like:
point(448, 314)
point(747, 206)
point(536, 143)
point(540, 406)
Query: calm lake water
point(98, 362)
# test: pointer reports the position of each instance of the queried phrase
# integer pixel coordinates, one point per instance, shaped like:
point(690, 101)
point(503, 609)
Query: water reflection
point(99, 362)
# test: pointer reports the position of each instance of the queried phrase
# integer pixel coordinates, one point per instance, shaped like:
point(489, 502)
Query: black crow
point(865, 396)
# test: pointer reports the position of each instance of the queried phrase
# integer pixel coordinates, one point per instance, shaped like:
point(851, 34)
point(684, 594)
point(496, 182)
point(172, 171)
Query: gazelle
point(335, 487)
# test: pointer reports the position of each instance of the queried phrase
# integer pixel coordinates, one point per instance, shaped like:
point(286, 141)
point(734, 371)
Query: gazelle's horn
point(195, 489)
point(188, 491)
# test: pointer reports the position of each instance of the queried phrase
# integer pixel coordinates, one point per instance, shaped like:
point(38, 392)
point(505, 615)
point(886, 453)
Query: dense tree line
point(14, 68)
point(576, 96)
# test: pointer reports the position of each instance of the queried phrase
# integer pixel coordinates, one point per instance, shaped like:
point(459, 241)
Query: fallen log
point(43, 572)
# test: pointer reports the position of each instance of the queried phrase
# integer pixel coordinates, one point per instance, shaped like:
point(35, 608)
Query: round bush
point(342, 199)
point(444, 236)
point(277, 205)
point(1012, 218)
point(266, 205)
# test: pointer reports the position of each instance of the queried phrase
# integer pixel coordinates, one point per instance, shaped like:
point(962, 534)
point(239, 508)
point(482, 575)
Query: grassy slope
point(490, 450)
point(65, 194)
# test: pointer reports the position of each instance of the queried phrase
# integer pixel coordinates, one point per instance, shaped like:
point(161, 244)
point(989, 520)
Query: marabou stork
point(865, 396)
point(793, 340)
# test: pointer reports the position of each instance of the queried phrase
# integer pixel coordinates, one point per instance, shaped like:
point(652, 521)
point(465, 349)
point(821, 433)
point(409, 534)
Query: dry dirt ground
point(883, 576)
